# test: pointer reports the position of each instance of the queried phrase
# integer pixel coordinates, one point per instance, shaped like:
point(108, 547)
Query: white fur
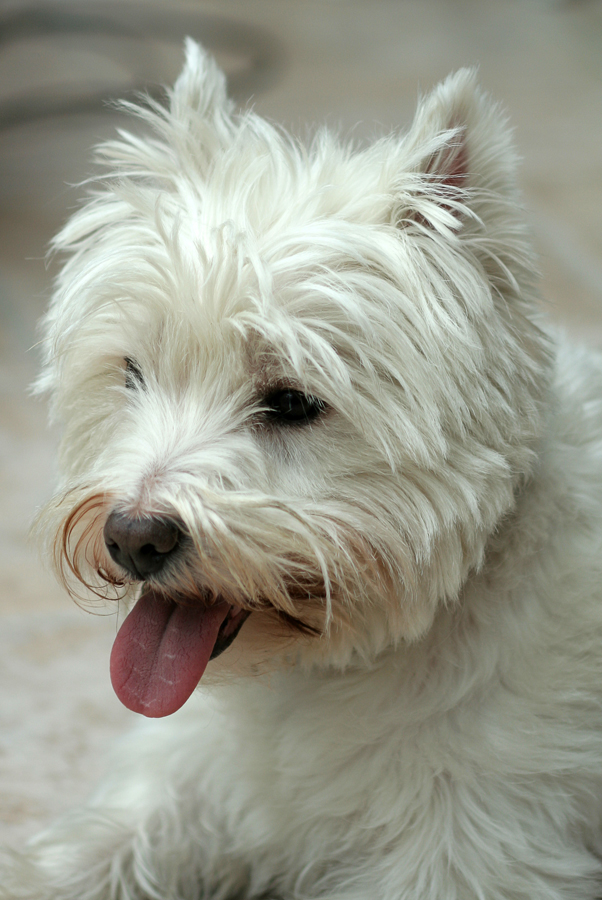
point(441, 738)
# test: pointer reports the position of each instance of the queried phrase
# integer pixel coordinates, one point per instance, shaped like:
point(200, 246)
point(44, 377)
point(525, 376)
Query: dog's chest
point(323, 766)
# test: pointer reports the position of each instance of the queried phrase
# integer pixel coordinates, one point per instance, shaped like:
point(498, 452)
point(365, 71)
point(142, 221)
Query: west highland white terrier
point(320, 443)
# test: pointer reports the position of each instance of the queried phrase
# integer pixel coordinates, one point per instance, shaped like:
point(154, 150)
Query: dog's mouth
point(163, 647)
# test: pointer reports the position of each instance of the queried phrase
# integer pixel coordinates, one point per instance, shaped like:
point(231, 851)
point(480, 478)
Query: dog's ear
point(200, 88)
point(460, 157)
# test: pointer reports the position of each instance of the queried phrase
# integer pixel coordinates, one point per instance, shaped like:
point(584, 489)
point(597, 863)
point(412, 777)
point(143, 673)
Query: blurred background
point(356, 64)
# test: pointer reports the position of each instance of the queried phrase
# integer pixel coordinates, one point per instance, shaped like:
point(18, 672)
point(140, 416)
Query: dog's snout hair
point(142, 545)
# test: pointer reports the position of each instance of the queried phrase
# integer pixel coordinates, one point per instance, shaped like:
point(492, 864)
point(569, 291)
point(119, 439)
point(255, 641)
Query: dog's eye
point(133, 374)
point(289, 405)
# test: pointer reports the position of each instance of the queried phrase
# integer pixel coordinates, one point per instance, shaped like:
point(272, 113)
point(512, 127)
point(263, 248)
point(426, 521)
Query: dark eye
point(133, 374)
point(293, 406)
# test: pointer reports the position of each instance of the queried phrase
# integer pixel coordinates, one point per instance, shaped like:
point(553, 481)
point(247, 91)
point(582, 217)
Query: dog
point(324, 451)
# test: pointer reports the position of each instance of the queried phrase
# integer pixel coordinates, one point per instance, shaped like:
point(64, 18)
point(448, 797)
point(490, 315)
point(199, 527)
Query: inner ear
point(448, 167)
point(443, 180)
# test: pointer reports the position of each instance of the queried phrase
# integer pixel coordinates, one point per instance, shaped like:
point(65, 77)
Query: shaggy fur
point(412, 708)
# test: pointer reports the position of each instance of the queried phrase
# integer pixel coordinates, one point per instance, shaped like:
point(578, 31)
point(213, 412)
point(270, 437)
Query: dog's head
point(300, 387)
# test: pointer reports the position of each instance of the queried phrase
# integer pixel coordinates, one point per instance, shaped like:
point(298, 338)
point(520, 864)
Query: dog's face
point(300, 388)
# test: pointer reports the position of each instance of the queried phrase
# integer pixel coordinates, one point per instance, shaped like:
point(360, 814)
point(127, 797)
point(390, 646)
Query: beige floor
point(357, 64)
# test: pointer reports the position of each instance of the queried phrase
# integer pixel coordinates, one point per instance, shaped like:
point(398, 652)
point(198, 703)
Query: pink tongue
point(161, 651)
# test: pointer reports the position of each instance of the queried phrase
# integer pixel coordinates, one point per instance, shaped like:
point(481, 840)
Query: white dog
point(313, 419)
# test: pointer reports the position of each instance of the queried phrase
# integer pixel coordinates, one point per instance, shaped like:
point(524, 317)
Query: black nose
point(141, 545)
